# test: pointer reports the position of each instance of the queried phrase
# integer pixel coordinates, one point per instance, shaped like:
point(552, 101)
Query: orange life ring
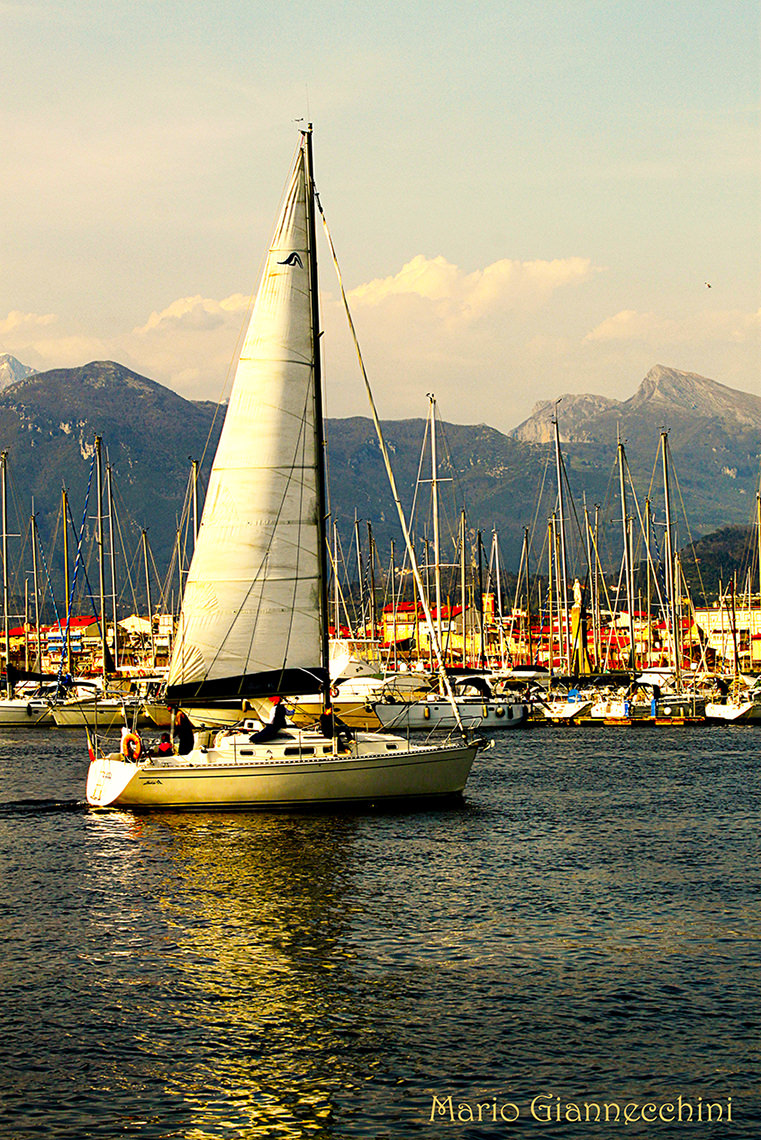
point(334, 690)
point(132, 746)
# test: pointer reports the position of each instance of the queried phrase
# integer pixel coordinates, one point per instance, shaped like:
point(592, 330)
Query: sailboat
point(254, 620)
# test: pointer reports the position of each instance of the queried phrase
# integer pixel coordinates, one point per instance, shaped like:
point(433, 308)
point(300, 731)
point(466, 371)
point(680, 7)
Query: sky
point(527, 198)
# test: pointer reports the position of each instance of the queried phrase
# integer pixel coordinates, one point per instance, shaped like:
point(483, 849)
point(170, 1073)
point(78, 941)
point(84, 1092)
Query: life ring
point(334, 690)
point(132, 746)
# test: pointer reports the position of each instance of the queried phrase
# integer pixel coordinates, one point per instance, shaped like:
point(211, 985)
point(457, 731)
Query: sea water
point(570, 951)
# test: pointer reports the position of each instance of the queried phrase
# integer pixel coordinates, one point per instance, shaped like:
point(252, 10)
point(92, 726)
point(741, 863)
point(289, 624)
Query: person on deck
point(331, 725)
point(165, 745)
point(277, 720)
point(183, 731)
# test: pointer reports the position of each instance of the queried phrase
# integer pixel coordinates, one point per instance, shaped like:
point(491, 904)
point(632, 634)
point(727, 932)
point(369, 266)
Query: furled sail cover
point(251, 619)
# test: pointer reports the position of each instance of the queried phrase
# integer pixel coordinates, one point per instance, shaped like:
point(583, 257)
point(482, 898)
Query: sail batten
point(251, 615)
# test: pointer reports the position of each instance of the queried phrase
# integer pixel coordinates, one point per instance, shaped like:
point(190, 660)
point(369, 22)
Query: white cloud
point(649, 328)
point(19, 324)
point(457, 295)
point(489, 343)
point(197, 314)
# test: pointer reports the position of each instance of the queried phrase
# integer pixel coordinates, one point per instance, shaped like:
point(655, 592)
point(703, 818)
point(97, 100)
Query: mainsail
point(252, 620)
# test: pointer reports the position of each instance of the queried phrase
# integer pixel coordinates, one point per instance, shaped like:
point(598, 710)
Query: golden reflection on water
point(255, 909)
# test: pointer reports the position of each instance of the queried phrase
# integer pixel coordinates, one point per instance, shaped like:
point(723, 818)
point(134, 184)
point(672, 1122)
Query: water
point(582, 929)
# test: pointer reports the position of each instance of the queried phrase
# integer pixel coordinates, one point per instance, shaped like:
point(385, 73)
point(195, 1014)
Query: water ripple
point(584, 927)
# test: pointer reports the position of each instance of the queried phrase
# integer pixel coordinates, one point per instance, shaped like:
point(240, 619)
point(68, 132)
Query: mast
point(336, 607)
point(734, 627)
point(480, 542)
point(194, 477)
point(564, 631)
point(463, 590)
point(180, 590)
point(112, 555)
point(670, 585)
point(101, 559)
point(591, 576)
point(552, 565)
point(758, 540)
point(4, 467)
point(528, 600)
point(392, 572)
point(38, 655)
point(598, 611)
point(500, 615)
point(371, 549)
point(148, 598)
point(322, 497)
point(435, 509)
point(627, 550)
point(648, 533)
point(66, 583)
point(360, 574)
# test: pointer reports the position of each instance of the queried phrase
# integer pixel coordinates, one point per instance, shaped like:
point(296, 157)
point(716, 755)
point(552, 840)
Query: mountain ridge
point(48, 422)
point(587, 418)
point(12, 370)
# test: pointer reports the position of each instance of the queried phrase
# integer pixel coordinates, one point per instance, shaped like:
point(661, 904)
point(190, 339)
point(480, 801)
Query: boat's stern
point(107, 777)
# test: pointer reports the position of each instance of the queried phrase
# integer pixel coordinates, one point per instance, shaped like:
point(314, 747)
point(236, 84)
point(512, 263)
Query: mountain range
point(48, 422)
point(680, 398)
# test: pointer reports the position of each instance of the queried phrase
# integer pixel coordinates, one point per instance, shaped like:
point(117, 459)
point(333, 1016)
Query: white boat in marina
point(28, 699)
point(436, 712)
point(741, 705)
point(620, 708)
point(735, 710)
point(100, 712)
point(568, 709)
point(25, 712)
point(254, 620)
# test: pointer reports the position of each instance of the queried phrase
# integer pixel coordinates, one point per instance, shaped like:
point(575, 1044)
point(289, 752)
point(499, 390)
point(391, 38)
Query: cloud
point(190, 344)
point(489, 343)
point(729, 326)
point(18, 323)
point(464, 297)
point(198, 314)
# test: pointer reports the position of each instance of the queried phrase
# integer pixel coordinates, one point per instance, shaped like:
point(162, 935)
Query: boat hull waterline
point(381, 769)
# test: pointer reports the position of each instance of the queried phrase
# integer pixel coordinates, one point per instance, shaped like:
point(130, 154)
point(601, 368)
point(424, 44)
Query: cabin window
point(298, 751)
point(391, 747)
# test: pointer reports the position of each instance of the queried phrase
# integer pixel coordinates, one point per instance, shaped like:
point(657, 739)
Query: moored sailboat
point(254, 615)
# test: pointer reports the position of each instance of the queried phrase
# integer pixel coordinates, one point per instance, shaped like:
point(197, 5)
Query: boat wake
point(40, 807)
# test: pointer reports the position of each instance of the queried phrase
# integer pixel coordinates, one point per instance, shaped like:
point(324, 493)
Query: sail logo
point(292, 259)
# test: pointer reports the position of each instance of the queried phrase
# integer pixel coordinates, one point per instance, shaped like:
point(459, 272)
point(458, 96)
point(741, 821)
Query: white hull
point(294, 770)
point(427, 715)
point(734, 711)
point(566, 710)
point(96, 714)
point(15, 712)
